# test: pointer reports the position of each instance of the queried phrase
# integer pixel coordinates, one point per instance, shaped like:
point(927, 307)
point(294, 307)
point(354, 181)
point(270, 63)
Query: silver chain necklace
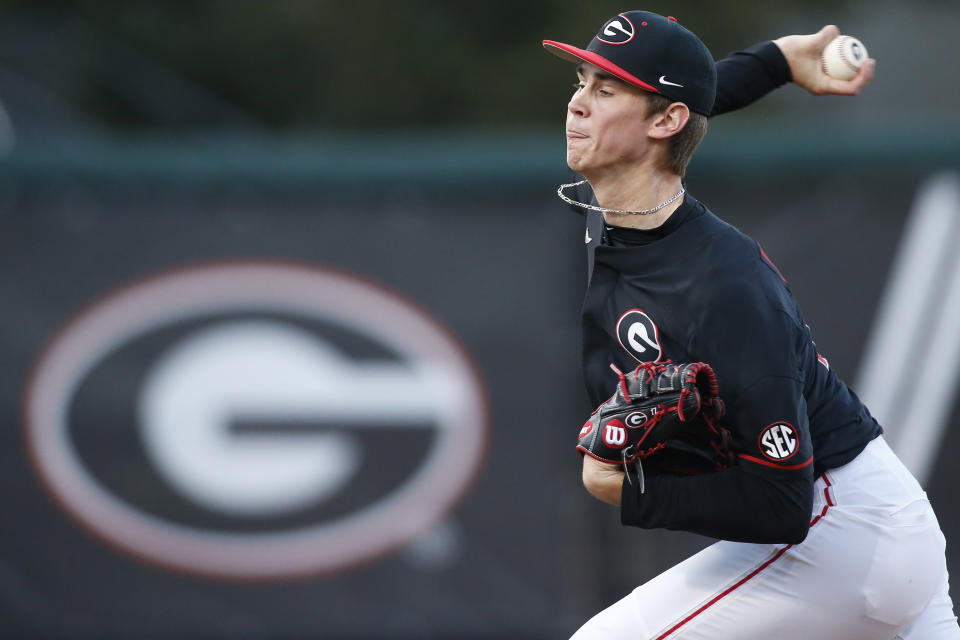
point(592, 207)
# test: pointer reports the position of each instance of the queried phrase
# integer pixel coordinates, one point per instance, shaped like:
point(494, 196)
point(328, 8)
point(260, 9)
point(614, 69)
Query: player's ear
point(670, 121)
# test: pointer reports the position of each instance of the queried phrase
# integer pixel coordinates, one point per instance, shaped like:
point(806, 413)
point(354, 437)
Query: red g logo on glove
point(639, 418)
point(614, 434)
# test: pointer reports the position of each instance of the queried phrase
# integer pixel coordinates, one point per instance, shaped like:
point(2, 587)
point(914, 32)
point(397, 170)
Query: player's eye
point(605, 92)
point(577, 86)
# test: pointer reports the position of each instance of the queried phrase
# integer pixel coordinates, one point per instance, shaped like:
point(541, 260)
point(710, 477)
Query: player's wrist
point(603, 481)
point(792, 49)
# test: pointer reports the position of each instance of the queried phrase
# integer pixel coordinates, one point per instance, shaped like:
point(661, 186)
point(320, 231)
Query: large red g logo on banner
point(256, 420)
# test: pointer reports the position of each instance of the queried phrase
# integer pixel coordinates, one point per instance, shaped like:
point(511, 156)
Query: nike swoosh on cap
point(663, 80)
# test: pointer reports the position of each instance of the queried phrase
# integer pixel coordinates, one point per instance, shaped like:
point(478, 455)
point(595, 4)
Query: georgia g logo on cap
point(617, 30)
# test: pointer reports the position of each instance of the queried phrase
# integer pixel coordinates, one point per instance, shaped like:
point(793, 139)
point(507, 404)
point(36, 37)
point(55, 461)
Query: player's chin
point(575, 160)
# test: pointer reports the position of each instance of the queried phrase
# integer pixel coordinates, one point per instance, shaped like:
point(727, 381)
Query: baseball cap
point(652, 52)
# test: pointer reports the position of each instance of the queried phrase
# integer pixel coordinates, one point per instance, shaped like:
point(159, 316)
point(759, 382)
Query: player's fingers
point(863, 77)
point(867, 71)
point(853, 86)
point(825, 35)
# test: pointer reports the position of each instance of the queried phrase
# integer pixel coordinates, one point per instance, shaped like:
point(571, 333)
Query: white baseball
point(842, 57)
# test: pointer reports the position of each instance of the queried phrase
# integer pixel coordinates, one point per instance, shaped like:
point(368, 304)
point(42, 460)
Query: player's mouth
point(573, 134)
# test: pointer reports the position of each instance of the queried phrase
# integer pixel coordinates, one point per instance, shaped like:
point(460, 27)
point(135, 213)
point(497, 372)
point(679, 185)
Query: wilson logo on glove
point(614, 435)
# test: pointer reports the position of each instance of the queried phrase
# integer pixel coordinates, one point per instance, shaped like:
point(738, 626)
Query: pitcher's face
point(606, 123)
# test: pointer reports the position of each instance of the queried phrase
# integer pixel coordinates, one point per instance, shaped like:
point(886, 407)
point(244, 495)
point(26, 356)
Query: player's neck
point(636, 191)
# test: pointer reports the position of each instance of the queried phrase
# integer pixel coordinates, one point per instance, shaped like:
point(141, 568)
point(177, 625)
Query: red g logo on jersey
point(779, 441)
point(614, 435)
point(639, 336)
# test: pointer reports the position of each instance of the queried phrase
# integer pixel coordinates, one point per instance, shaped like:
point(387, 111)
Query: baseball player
point(823, 532)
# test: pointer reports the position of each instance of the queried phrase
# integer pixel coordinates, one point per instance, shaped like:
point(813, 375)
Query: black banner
point(270, 417)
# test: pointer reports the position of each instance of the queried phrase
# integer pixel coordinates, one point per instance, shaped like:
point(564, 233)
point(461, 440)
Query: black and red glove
point(666, 415)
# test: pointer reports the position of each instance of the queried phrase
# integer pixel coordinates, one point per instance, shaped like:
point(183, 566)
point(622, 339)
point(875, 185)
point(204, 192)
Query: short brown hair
point(685, 141)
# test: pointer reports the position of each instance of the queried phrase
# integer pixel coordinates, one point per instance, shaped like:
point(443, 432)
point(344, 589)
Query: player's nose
point(577, 105)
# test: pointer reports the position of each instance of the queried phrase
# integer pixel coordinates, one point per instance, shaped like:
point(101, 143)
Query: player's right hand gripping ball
point(843, 57)
point(665, 414)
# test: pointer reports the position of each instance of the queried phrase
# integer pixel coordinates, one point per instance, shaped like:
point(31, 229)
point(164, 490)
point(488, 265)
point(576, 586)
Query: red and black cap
point(652, 52)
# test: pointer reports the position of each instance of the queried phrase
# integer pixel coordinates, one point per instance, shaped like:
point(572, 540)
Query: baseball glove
point(665, 415)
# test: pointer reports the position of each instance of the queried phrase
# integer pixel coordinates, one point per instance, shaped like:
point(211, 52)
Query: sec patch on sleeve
point(779, 441)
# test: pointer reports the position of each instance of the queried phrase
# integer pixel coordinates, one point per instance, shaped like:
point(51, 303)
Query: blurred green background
point(313, 91)
point(318, 65)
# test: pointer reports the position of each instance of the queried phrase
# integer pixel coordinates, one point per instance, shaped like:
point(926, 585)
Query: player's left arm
point(776, 438)
point(766, 498)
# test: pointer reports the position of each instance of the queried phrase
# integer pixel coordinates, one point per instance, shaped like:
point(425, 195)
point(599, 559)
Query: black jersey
point(697, 289)
point(700, 290)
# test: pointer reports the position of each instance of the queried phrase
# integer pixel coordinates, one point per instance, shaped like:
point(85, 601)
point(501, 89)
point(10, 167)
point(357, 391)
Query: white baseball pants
point(871, 568)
